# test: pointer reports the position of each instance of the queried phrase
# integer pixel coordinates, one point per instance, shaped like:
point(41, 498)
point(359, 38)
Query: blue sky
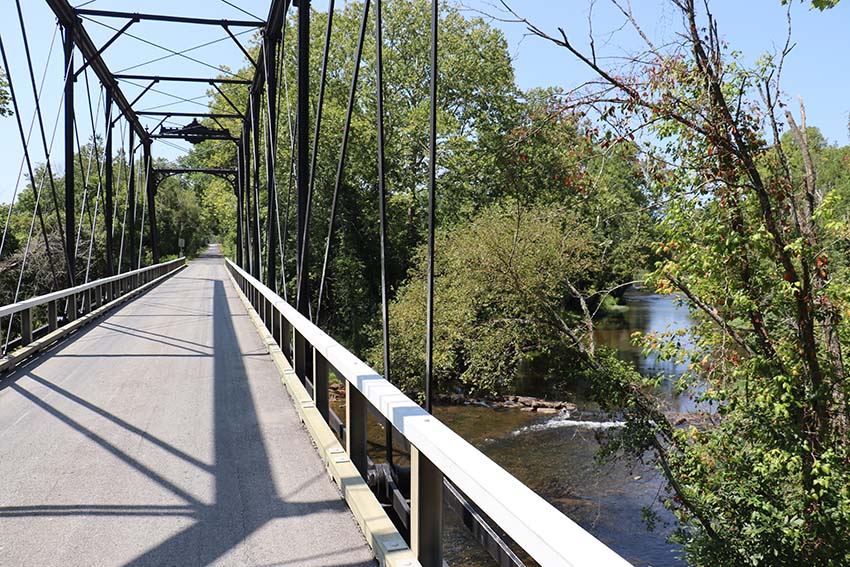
point(815, 70)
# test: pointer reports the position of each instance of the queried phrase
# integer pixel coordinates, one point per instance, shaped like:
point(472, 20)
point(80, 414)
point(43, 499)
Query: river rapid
point(555, 455)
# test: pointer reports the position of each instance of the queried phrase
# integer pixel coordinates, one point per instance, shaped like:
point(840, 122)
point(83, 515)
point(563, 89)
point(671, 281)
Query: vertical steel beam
point(150, 190)
point(246, 185)
point(131, 203)
point(302, 181)
point(255, 145)
point(270, 61)
point(107, 214)
point(382, 210)
point(432, 206)
point(70, 235)
point(239, 189)
point(426, 510)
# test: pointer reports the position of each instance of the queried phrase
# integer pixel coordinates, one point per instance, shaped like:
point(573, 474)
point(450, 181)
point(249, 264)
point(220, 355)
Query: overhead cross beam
point(158, 175)
point(158, 78)
point(183, 137)
point(189, 114)
point(194, 133)
point(205, 170)
point(173, 19)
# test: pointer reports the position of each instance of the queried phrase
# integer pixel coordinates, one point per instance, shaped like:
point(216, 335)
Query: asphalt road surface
point(162, 436)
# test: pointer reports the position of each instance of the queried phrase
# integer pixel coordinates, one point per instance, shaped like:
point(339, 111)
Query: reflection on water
point(556, 455)
point(648, 313)
point(559, 464)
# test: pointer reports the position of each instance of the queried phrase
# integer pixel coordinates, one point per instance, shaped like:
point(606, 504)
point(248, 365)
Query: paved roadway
point(162, 436)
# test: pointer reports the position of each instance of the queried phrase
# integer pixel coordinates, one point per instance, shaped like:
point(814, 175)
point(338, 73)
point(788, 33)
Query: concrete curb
point(11, 361)
point(386, 542)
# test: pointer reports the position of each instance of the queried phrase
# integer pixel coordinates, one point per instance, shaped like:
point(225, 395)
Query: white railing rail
point(13, 308)
point(93, 295)
point(542, 531)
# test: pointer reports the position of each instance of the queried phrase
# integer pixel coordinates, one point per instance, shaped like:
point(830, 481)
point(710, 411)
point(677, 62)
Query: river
point(555, 455)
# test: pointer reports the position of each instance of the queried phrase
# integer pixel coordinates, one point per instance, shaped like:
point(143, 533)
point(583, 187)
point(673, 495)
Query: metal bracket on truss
point(100, 51)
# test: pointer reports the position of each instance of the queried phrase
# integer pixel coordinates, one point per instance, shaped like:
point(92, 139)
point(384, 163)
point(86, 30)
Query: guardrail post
point(72, 308)
point(426, 510)
point(98, 296)
point(320, 383)
point(286, 338)
point(300, 357)
point(52, 319)
point(269, 317)
point(87, 301)
point(276, 316)
point(355, 427)
point(26, 326)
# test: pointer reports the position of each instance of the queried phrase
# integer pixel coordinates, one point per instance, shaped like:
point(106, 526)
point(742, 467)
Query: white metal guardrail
point(93, 295)
point(543, 532)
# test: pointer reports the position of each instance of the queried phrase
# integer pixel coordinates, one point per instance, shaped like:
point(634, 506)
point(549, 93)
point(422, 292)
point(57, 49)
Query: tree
point(748, 242)
point(178, 215)
point(5, 100)
point(554, 157)
point(820, 4)
point(505, 283)
point(518, 285)
point(476, 104)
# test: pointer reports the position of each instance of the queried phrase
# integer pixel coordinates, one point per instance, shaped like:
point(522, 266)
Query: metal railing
point(543, 532)
point(67, 305)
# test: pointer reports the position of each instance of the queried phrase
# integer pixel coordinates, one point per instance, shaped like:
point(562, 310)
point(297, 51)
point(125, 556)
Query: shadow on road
point(245, 495)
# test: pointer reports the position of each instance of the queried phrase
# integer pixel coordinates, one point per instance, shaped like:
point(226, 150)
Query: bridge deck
point(162, 436)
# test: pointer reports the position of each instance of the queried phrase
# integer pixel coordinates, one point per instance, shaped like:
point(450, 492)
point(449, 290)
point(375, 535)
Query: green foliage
point(820, 4)
point(752, 236)
point(498, 278)
point(179, 214)
point(477, 99)
point(554, 156)
point(768, 261)
point(5, 99)
point(508, 289)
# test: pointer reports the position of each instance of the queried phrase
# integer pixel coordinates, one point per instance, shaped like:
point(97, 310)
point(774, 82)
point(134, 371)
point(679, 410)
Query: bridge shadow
point(245, 497)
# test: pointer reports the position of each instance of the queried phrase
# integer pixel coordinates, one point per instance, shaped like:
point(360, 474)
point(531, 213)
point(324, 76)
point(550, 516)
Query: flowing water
point(555, 455)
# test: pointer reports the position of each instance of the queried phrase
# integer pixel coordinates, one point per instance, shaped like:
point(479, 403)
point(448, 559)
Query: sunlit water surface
point(555, 455)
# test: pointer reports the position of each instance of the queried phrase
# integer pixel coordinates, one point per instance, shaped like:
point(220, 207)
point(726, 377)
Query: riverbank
point(522, 403)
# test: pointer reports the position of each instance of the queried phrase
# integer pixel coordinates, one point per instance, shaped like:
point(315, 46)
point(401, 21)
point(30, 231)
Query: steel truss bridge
point(179, 413)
